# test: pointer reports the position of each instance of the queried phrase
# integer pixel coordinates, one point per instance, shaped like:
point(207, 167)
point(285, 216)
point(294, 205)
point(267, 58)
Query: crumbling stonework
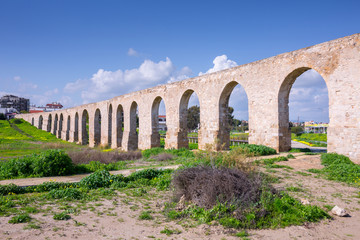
point(267, 84)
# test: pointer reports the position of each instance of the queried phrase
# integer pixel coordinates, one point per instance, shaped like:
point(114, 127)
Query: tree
point(193, 118)
point(2, 116)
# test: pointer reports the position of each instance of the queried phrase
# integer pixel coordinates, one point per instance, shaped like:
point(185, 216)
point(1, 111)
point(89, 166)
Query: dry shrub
point(206, 186)
point(239, 159)
point(163, 157)
point(53, 145)
point(88, 155)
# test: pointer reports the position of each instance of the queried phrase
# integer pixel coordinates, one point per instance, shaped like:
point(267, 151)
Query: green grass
point(315, 139)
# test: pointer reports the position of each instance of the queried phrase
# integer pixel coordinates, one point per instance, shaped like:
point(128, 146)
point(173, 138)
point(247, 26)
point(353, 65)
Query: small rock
point(304, 201)
point(339, 212)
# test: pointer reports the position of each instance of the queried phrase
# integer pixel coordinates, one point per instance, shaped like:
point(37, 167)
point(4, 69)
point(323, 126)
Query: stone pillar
point(91, 128)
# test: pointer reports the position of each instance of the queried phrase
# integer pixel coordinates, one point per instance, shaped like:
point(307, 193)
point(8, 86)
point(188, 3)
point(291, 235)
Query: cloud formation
point(132, 52)
point(106, 84)
point(220, 63)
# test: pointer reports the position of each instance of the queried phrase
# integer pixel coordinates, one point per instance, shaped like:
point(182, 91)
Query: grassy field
point(19, 138)
point(311, 139)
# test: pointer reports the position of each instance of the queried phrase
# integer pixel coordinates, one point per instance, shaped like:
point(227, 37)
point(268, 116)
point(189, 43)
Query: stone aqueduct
point(267, 84)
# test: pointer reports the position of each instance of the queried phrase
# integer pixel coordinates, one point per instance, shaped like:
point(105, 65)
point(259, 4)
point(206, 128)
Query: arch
point(76, 128)
point(40, 123)
point(32, 121)
point(133, 134)
point(284, 139)
point(183, 111)
point(110, 124)
point(48, 129)
point(55, 124)
point(224, 124)
point(61, 121)
point(85, 127)
point(68, 128)
point(97, 127)
point(155, 136)
point(119, 125)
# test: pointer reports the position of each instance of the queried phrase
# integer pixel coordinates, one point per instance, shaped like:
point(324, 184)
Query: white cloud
point(220, 63)
point(17, 78)
point(24, 87)
point(132, 52)
point(106, 84)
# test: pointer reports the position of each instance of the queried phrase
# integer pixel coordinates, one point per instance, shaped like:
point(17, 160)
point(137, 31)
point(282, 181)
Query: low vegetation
point(311, 139)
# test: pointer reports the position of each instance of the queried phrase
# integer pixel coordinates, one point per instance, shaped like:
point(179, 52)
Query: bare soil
point(118, 218)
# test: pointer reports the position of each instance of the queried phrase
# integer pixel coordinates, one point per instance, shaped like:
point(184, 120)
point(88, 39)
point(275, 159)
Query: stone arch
point(155, 136)
point(110, 124)
point(119, 125)
point(55, 129)
point(133, 134)
point(48, 129)
point(85, 127)
point(32, 121)
point(97, 127)
point(224, 126)
point(183, 129)
point(40, 124)
point(68, 128)
point(76, 128)
point(61, 122)
point(284, 141)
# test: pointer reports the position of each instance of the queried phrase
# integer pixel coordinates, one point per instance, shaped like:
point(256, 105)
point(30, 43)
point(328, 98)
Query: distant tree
point(297, 130)
point(2, 116)
point(193, 117)
point(230, 117)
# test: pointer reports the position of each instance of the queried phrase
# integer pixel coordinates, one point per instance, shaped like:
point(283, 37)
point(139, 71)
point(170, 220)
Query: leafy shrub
point(52, 163)
point(21, 218)
point(149, 173)
point(17, 121)
point(66, 194)
point(145, 215)
point(297, 150)
point(163, 157)
point(11, 188)
point(48, 163)
point(97, 179)
point(256, 150)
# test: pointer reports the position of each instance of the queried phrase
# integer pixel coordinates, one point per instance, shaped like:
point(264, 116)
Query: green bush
point(182, 152)
point(340, 168)
point(256, 150)
point(97, 179)
point(48, 163)
point(61, 216)
point(66, 194)
point(11, 188)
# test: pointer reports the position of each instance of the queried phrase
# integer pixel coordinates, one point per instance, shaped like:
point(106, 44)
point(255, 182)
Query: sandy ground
point(118, 218)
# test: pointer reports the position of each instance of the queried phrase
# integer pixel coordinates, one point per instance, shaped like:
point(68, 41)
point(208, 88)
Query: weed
point(21, 218)
point(169, 231)
point(303, 173)
point(61, 216)
point(145, 215)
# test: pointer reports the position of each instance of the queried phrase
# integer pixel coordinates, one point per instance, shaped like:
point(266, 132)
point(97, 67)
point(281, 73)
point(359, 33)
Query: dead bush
point(88, 155)
point(205, 186)
point(163, 157)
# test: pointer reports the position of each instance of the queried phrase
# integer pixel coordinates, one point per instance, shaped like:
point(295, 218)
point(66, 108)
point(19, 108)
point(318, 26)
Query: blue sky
point(84, 51)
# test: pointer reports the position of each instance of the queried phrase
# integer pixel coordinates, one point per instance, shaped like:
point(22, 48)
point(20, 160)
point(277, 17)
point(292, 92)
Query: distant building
point(313, 127)
point(11, 101)
point(162, 123)
point(9, 112)
point(48, 108)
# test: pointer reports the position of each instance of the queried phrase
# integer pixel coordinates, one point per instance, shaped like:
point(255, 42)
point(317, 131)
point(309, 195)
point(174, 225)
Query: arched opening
point(119, 125)
point(32, 121)
point(55, 125)
point(158, 123)
point(97, 127)
point(134, 124)
point(85, 128)
point(40, 124)
point(233, 116)
point(76, 128)
point(60, 125)
point(189, 117)
point(68, 129)
point(110, 125)
point(303, 111)
point(48, 129)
